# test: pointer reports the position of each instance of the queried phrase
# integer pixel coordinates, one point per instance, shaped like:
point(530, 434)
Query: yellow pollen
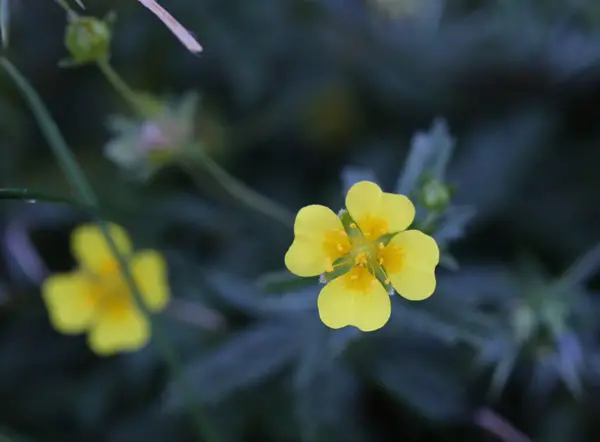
point(335, 245)
point(361, 259)
point(391, 257)
point(373, 227)
point(359, 279)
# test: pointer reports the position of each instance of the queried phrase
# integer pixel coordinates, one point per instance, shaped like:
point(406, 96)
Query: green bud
point(88, 39)
point(435, 195)
point(524, 323)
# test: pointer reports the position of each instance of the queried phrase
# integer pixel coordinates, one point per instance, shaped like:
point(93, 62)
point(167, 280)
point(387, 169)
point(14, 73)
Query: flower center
point(110, 290)
point(371, 258)
point(373, 227)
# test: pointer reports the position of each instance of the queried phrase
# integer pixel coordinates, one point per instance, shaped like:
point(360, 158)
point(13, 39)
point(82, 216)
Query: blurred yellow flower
point(96, 299)
point(373, 244)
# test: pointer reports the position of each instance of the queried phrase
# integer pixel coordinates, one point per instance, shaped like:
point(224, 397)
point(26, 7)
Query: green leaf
point(454, 222)
point(581, 270)
point(32, 197)
point(422, 374)
point(501, 373)
point(352, 175)
point(430, 152)
point(283, 281)
point(325, 391)
point(248, 358)
point(4, 21)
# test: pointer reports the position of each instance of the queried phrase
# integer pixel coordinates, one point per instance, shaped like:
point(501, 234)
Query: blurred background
point(297, 99)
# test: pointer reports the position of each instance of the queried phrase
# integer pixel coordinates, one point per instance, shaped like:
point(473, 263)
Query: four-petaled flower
point(372, 243)
point(96, 298)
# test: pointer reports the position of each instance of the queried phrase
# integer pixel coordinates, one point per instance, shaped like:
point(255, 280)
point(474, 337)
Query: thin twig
point(184, 36)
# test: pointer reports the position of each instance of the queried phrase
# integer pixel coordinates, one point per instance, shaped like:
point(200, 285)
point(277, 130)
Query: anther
point(353, 225)
point(387, 281)
point(340, 247)
point(381, 246)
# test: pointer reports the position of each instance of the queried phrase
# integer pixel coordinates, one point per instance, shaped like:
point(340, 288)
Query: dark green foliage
point(495, 103)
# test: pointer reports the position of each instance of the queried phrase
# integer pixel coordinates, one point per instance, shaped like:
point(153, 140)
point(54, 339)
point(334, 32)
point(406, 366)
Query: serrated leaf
point(325, 403)
point(324, 390)
point(249, 357)
point(454, 223)
point(581, 270)
point(501, 374)
point(424, 375)
point(283, 281)
point(449, 262)
point(430, 152)
point(570, 362)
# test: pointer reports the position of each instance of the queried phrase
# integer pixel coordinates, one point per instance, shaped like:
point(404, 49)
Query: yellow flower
point(374, 245)
point(96, 299)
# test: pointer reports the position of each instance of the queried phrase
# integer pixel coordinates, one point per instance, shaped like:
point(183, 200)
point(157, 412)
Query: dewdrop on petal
point(143, 147)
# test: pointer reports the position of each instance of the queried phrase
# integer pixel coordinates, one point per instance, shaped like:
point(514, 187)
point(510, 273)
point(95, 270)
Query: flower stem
point(120, 86)
point(239, 190)
point(232, 185)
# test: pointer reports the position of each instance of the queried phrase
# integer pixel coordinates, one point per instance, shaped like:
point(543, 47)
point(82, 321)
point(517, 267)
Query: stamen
point(353, 225)
point(340, 247)
point(329, 267)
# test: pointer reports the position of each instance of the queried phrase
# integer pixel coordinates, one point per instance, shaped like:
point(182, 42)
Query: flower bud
point(435, 195)
point(88, 39)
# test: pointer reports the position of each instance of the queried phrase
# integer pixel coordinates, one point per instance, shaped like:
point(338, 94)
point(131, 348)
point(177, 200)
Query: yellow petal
point(119, 330)
point(319, 239)
point(149, 269)
point(340, 306)
point(414, 278)
point(374, 209)
point(91, 249)
point(70, 302)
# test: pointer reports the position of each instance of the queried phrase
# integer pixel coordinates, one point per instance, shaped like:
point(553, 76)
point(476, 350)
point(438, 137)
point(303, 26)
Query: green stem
point(429, 222)
point(120, 85)
point(233, 186)
point(239, 190)
point(79, 182)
